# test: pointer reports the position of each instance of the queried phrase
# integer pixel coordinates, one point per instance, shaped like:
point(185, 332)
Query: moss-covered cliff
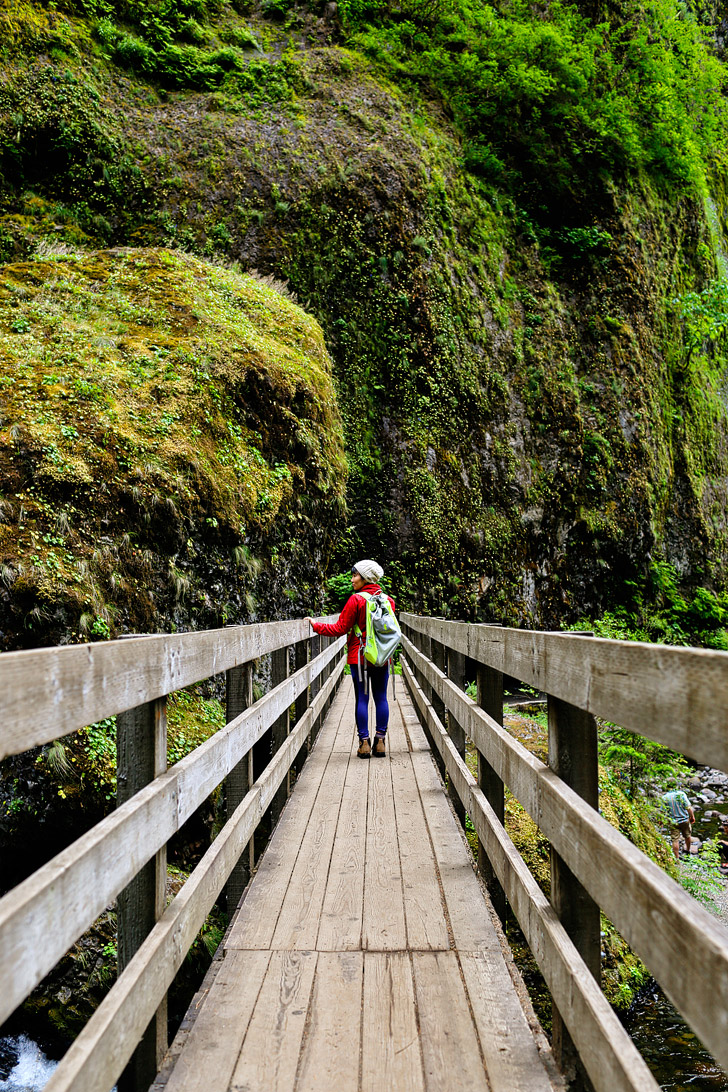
point(170, 445)
point(492, 211)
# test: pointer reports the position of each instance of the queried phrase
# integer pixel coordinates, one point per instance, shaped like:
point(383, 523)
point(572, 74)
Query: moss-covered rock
point(170, 446)
point(515, 382)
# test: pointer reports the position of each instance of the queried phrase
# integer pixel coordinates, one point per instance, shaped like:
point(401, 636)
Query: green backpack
point(383, 634)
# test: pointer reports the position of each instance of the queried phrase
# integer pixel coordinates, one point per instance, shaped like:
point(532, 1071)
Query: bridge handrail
point(43, 916)
point(609, 1055)
point(76, 685)
point(675, 696)
point(682, 944)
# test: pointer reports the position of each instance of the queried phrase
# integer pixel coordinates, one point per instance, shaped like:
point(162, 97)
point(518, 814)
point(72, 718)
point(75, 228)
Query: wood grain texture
point(330, 1057)
point(383, 921)
point(606, 1050)
point(269, 1056)
point(511, 1056)
point(42, 917)
point(78, 685)
point(450, 1046)
point(341, 913)
point(682, 944)
point(298, 921)
point(675, 696)
point(256, 920)
point(424, 912)
point(102, 1049)
point(208, 1060)
point(391, 1053)
point(311, 1034)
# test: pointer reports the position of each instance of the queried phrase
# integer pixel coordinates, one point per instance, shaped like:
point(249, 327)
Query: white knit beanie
point(369, 571)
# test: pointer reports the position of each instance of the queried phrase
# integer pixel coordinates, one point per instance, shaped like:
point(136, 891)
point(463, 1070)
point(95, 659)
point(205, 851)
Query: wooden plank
point(471, 929)
point(330, 1057)
point(675, 696)
point(208, 1060)
point(511, 1056)
point(78, 685)
point(450, 1046)
point(141, 736)
point(346, 737)
point(102, 1049)
point(681, 943)
point(341, 914)
point(383, 920)
point(269, 1057)
point(573, 756)
point(608, 1053)
point(424, 912)
point(490, 699)
point(257, 917)
point(298, 921)
point(280, 670)
point(391, 1054)
point(238, 698)
point(42, 917)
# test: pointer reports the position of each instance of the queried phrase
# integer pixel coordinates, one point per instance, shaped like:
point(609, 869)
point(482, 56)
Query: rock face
point(525, 428)
point(171, 448)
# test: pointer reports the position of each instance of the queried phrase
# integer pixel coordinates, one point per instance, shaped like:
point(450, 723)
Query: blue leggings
point(378, 679)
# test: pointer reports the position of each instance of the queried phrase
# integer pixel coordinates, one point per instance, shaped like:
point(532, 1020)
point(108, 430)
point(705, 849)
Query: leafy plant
point(637, 762)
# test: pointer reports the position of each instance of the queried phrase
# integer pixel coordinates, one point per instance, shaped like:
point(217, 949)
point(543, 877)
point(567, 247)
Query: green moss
point(153, 403)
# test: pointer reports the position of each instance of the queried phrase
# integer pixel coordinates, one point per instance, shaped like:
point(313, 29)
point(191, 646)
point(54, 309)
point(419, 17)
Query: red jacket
point(354, 614)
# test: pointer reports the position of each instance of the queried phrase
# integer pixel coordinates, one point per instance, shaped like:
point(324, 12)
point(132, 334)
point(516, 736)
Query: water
point(677, 1058)
point(23, 1065)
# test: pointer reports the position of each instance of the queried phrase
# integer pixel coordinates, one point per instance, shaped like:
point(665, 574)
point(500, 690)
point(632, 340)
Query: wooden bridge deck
point(364, 954)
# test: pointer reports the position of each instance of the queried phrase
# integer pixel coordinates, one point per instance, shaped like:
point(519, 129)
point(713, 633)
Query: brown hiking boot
point(379, 750)
point(365, 748)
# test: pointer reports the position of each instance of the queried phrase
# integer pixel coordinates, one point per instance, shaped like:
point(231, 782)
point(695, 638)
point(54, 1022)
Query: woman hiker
point(365, 577)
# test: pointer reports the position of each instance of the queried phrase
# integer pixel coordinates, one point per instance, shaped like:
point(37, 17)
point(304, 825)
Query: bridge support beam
point(141, 749)
point(573, 756)
point(238, 698)
point(490, 699)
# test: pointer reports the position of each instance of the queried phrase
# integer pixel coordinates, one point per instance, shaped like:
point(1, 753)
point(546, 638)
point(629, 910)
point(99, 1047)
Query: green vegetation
point(138, 440)
point(557, 105)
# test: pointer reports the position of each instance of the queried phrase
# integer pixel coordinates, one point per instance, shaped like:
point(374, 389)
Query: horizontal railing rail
point(77, 685)
point(609, 1054)
point(683, 945)
point(675, 696)
point(45, 915)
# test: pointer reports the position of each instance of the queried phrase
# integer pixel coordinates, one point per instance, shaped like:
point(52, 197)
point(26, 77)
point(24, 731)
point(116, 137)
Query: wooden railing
point(49, 693)
point(677, 697)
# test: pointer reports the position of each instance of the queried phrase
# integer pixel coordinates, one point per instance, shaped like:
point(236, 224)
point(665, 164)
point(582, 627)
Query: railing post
point(141, 755)
point(490, 699)
point(439, 659)
point(424, 644)
point(573, 757)
point(303, 649)
point(281, 727)
point(316, 642)
point(238, 697)
point(456, 674)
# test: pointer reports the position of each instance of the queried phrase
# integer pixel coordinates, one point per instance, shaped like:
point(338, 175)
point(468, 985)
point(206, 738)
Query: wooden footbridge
point(365, 951)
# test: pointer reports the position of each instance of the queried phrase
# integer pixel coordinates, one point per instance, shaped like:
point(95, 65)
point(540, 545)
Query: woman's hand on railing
point(309, 620)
